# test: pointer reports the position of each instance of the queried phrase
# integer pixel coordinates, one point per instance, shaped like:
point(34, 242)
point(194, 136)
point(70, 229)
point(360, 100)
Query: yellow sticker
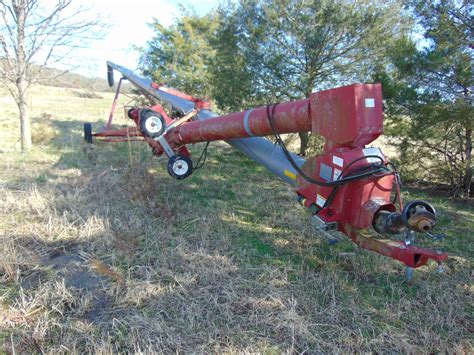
point(290, 174)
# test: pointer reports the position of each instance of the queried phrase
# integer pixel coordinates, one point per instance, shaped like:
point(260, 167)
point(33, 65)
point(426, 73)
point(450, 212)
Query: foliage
point(232, 77)
point(180, 54)
point(274, 50)
point(303, 46)
point(429, 95)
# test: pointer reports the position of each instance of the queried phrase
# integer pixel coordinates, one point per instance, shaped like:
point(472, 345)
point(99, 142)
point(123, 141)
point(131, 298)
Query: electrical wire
point(397, 180)
point(376, 168)
point(202, 157)
point(333, 193)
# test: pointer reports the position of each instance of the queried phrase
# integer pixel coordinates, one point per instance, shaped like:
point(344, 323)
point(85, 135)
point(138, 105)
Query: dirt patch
point(84, 278)
point(75, 272)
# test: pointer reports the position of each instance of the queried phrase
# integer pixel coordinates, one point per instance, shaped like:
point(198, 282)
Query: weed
point(101, 251)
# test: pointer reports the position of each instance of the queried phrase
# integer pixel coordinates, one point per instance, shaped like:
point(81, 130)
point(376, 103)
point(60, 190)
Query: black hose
point(202, 157)
point(341, 180)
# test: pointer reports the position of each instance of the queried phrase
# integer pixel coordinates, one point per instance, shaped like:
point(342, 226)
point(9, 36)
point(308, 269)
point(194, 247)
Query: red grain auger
point(347, 188)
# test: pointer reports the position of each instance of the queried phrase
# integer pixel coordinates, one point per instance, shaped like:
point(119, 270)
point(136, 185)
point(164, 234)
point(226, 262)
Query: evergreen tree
point(292, 48)
point(429, 94)
point(180, 54)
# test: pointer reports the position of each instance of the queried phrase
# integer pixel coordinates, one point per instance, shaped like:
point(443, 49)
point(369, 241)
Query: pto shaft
point(418, 216)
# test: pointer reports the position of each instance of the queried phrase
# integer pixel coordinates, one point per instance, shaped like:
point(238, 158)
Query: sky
point(128, 22)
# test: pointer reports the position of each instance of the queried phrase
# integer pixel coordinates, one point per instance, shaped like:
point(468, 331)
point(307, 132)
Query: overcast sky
point(128, 20)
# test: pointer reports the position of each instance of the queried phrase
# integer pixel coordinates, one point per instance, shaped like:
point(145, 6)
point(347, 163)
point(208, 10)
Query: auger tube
point(260, 150)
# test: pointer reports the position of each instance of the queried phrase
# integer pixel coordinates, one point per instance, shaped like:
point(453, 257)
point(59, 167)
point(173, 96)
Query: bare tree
point(33, 37)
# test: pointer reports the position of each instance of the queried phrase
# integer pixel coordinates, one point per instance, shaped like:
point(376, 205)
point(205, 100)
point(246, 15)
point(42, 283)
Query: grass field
point(101, 251)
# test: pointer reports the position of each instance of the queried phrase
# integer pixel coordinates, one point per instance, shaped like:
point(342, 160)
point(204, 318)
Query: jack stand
point(440, 268)
point(324, 228)
point(409, 237)
point(409, 240)
point(330, 239)
point(409, 274)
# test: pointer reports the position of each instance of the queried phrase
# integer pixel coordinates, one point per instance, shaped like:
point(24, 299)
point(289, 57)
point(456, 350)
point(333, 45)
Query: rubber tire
point(146, 113)
point(88, 133)
point(173, 160)
point(110, 76)
point(410, 205)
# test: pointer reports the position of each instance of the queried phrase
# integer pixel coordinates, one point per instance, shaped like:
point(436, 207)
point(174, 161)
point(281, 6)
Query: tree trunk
point(468, 170)
point(21, 76)
point(304, 140)
point(25, 124)
point(304, 136)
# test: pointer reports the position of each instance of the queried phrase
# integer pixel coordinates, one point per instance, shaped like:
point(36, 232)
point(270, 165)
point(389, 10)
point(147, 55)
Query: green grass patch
point(224, 261)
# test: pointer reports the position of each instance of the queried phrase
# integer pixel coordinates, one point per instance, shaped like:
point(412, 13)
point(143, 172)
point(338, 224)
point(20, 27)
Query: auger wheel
point(88, 133)
point(152, 124)
point(180, 166)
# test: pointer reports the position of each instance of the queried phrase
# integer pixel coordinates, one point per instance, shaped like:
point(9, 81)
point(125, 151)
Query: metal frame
point(348, 117)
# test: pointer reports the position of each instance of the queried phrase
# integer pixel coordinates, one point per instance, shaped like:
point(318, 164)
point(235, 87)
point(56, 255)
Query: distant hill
point(59, 78)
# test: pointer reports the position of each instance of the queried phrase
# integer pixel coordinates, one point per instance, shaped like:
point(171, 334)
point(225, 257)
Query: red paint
point(341, 115)
point(411, 256)
point(355, 205)
point(289, 117)
point(198, 103)
point(348, 118)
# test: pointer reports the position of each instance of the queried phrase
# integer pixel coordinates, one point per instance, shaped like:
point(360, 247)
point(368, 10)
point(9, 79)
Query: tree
point(31, 38)
point(198, 55)
point(294, 47)
point(233, 85)
point(257, 51)
point(428, 92)
point(180, 55)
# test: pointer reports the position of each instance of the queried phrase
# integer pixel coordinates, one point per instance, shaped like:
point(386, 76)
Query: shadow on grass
point(223, 261)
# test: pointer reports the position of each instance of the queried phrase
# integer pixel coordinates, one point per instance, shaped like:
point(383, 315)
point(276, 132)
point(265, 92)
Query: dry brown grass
point(100, 253)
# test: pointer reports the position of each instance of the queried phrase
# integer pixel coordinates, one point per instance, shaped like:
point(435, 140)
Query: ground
point(100, 250)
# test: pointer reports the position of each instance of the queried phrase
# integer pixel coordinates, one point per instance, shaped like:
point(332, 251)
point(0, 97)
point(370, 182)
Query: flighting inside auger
point(347, 188)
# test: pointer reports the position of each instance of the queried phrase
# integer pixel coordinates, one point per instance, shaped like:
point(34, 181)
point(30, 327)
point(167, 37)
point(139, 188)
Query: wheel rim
point(180, 167)
point(153, 124)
